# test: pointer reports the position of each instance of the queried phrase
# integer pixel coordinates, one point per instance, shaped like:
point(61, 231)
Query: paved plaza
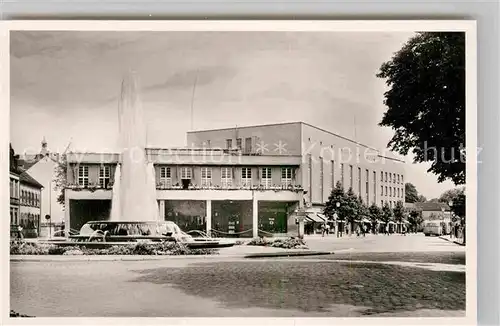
point(374, 276)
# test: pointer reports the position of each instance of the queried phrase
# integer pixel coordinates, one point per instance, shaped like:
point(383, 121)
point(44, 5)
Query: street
point(367, 277)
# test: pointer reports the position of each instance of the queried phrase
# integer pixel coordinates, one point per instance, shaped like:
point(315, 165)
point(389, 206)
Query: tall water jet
point(115, 201)
point(134, 193)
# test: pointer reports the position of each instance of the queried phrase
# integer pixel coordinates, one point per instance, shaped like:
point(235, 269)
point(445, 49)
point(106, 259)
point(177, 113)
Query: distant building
point(30, 196)
point(434, 211)
point(242, 181)
point(42, 167)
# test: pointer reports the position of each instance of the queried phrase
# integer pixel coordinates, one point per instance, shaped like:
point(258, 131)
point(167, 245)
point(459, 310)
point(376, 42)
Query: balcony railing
point(261, 187)
point(162, 186)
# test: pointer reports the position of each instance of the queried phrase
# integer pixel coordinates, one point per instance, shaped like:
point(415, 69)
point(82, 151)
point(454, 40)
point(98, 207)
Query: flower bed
point(288, 243)
point(138, 248)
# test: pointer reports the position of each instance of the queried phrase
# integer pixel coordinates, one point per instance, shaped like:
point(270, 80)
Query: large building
point(242, 181)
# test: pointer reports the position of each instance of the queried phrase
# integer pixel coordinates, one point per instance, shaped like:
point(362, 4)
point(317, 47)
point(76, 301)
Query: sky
point(65, 86)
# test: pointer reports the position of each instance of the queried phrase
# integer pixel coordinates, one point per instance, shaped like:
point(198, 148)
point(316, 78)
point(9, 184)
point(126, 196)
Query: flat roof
point(301, 123)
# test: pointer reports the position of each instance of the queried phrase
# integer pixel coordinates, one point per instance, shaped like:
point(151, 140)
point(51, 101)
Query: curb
point(454, 241)
point(86, 258)
point(288, 254)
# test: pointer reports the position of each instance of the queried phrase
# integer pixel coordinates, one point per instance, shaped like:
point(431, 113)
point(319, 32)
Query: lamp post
point(339, 224)
point(450, 203)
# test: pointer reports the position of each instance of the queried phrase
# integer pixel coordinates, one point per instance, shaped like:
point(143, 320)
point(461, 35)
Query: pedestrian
point(327, 228)
point(323, 229)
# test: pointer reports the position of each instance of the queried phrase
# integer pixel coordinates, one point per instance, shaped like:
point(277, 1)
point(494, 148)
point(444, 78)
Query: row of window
point(104, 175)
point(391, 203)
point(227, 176)
point(239, 144)
point(391, 177)
point(30, 198)
point(393, 192)
point(186, 173)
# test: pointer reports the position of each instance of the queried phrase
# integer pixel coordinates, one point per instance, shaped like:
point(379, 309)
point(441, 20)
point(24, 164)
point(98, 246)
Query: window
point(206, 176)
point(402, 179)
point(238, 143)
point(390, 191)
point(367, 187)
point(321, 178)
point(394, 177)
point(398, 192)
point(374, 187)
point(246, 177)
point(229, 143)
point(310, 177)
point(226, 177)
point(342, 174)
point(266, 177)
point(386, 177)
point(386, 190)
point(359, 181)
point(333, 174)
point(398, 179)
point(381, 190)
point(350, 176)
point(286, 176)
point(83, 175)
point(248, 144)
point(166, 176)
point(186, 173)
point(208, 143)
point(382, 203)
point(104, 175)
point(390, 177)
point(381, 176)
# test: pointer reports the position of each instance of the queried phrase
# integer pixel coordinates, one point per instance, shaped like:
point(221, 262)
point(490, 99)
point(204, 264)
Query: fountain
point(134, 209)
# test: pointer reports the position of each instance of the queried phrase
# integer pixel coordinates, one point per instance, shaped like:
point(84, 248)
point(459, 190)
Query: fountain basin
point(103, 234)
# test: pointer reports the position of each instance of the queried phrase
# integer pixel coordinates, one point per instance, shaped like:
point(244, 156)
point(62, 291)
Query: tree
point(386, 213)
point(336, 196)
point(350, 208)
point(411, 193)
point(399, 211)
point(375, 214)
point(60, 181)
point(415, 219)
point(458, 205)
point(426, 102)
point(421, 199)
point(450, 195)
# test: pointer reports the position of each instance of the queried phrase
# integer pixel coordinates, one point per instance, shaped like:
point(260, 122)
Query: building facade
point(244, 181)
point(14, 198)
point(30, 198)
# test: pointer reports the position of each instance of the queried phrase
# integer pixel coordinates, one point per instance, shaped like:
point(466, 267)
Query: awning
point(391, 222)
point(315, 218)
point(365, 220)
point(323, 217)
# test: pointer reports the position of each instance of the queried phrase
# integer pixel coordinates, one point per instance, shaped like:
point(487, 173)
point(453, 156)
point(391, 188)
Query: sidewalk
point(454, 240)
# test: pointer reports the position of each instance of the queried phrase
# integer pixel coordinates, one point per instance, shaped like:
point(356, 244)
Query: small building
point(436, 211)
point(30, 198)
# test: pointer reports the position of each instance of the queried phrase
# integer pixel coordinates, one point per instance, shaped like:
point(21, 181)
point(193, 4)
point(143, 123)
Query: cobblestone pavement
point(314, 287)
point(455, 258)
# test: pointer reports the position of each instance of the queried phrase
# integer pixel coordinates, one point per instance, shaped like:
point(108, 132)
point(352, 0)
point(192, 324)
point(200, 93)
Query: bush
point(138, 248)
point(289, 243)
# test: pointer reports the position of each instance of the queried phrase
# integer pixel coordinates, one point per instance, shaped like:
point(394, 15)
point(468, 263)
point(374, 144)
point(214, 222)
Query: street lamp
point(450, 203)
point(339, 224)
